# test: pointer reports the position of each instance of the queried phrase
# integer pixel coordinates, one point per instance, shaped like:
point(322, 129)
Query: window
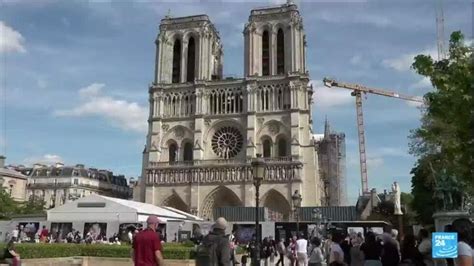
point(176, 61)
point(282, 148)
point(11, 190)
point(76, 181)
point(280, 52)
point(265, 54)
point(188, 152)
point(172, 152)
point(191, 60)
point(267, 148)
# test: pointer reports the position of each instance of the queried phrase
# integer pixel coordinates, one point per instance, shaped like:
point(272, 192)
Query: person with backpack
point(214, 249)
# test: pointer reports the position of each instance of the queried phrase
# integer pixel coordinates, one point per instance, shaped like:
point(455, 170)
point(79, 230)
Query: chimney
point(2, 161)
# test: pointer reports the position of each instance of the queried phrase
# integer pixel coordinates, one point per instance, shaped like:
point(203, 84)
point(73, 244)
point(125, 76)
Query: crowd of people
point(337, 248)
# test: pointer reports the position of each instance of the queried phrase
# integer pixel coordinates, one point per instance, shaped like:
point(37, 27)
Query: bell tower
point(274, 42)
point(188, 49)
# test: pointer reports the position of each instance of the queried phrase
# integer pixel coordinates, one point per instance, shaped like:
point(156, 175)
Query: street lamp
point(296, 198)
point(258, 172)
point(317, 216)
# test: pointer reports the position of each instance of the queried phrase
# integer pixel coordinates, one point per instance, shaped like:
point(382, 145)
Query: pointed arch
point(176, 202)
point(280, 52)
point(266, 147)
point(188, 152)
point(172, 151)
point(176, 71)
point(277, 204)
point(265, 53)
point(191, 59)
point(219, 197)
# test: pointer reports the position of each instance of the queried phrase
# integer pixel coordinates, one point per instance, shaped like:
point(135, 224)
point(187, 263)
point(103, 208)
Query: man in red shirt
point(44, 234)
point(146, 249)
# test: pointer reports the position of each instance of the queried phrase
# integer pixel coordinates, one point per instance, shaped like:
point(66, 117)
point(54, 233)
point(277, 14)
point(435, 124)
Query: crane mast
point(357, 91)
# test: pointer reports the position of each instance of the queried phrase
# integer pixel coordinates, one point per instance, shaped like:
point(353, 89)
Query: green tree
point(8, 206)
point(445, 139)
point(34, 204)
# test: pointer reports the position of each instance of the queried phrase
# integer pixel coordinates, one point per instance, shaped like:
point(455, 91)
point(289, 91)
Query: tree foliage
point(10, 207)
point(445, 139)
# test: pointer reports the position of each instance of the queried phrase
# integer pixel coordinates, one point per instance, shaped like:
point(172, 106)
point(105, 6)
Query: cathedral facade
point(204, 129)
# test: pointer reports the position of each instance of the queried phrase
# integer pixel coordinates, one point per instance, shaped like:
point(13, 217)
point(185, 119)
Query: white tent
point(97, 208)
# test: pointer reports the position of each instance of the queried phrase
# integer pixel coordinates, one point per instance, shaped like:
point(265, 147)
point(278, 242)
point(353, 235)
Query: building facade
point(58, 184)
point(204, 129)
point(13, 182)
point(331, 149)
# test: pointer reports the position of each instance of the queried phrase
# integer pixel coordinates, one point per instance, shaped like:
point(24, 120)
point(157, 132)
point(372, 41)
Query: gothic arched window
point(191, 60)
point(176, 61)
point(172, 152)
point(267, 148)
point(282, 148)
point(265, 54)
point(280, 52)
point(188, 152)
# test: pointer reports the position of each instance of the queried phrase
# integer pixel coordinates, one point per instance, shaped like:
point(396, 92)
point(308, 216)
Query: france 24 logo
point(445, 245)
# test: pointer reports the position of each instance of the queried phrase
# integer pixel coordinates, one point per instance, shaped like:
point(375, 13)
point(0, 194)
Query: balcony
point(281, 169)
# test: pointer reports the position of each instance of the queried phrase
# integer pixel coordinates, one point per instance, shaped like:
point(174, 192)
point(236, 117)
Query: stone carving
point(179, 132)
point(286, 120)
point(260, 120)
point(274, 128)
point(396, 193)
point(207, 121)
point(165, 127)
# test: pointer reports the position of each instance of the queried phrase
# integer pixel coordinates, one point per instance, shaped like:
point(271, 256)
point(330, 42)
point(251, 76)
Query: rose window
point(227, 142)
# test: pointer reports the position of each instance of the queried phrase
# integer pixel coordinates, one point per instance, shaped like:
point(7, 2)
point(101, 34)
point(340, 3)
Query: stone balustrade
point(220, 171)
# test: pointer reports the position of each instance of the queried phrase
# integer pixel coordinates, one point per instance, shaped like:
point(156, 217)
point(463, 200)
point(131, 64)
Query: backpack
point(206, 254)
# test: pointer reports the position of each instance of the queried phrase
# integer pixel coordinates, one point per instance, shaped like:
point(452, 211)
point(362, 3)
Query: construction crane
point(440, 43)
point(357, 91)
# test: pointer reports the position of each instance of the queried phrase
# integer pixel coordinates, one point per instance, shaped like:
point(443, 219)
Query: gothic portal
point(204, 129)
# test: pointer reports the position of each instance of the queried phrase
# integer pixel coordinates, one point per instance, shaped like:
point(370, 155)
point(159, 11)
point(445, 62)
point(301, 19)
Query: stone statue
point(396, 199)
point(448, 192)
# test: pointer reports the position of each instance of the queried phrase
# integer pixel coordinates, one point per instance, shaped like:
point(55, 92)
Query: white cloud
point(356, 59)
point(10, 40)
point(126, 115)
point(391, 152)
point(47, 159)
point(404, 62)
point(325, 97)
point(423, 83)
point(374, 162)
point(354, 17)
point(41, 83)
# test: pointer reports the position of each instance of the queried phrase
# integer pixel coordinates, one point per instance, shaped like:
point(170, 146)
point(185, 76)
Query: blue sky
point(74, 75)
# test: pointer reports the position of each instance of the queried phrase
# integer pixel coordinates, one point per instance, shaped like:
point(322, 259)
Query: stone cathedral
point(204, 129)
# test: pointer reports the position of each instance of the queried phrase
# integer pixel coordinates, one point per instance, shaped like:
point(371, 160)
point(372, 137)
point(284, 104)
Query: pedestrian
point(346, 248)
point(371, 250)
point(463, 227)
point(410, 254)
point(146, 248)
point(11, 256)
point(391, 248)
point(336, 256)
point(15, 234)
point(215, 247)
point(357, 257)
point(281, 252)
point(302, 250)
point(44, 234)
point(425, 247)
point(315, 257)
point(291, 251)
point(266, 251)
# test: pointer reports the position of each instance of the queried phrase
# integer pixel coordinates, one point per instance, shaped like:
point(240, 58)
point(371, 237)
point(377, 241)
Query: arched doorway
point(278, 206)
point(219, 197)
point(176, 202)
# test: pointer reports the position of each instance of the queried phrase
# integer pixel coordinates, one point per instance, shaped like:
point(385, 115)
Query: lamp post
point(258, 172)
point(317, 216)
point(296, 198)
